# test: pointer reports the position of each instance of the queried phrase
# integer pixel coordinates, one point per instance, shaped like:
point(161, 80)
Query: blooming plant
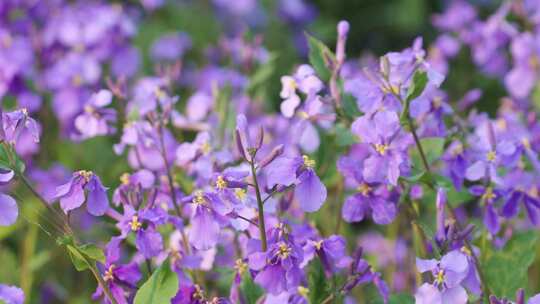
point(368, 182)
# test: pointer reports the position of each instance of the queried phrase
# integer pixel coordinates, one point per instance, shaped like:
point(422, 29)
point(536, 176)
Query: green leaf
point(350, 107)
point(318, 290)
point(77, 258)
point(418, 85)
point(263, 73)
point(506, 270)
point(93, 252)
point(159, 288)
point(320, 57)
point(250, 290)
point(344, 136)
point(9, 158)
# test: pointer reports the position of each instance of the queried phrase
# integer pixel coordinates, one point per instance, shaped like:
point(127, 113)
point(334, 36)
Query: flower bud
point(277, 151)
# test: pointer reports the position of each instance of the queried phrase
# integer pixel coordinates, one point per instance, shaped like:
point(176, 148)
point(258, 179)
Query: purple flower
point(388, 144)
point(278, 268)
point(118, 277)
point(8, 206)
point(489, 196)
point(522, 190)
point(207, 218)
point(331, 251)
point(72, 193)
point(522, 78)
point(143, 223)
point(170, 46)
point(309, 191)
point(304, 80)
point(489, 154)
point(11, 294)
point(448, 273)
point(96, 119)
point(13, 123)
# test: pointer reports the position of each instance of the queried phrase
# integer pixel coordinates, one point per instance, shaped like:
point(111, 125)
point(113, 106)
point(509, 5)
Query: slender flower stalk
point(260, 203)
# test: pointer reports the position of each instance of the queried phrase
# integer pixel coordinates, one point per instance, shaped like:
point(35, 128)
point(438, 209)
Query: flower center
point(240, 193)
point(76, 80)
point(439, 279)
point(206, 148)
point(364, 188)
point(221, 183)
point(526, 143)
point(198, 198)
point(488, 194)
point(124, 179)
point(491, 156)
point(303, 291)
point(135, 224)
point(109, 273)
point(303, 114)
point(198, 294)
point(381, 148)
point(318, 245)
point(240, 266)
point(309, 163)
point(284, 251)
point(86, 175)
point(466, 251)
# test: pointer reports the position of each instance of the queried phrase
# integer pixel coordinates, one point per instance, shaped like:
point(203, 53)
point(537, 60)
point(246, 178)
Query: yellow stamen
point(491, 156)
point(108, 276)
point(309, 163)
point(466, 251)
point(135, 224)
point(303, 114)
point(303, 291)
point(76, 80)
point(198, 197)
point(240, 193)
point(381, 148)
point(440, 277)
point(206, 148)
point(501, 124)
point(526, 143)
point(284, 251)
point(318, 245)
point(86, 174)
point(240, 266)
point(364, 188)
point(124, 178)
point(221, 183)
point(488, 195)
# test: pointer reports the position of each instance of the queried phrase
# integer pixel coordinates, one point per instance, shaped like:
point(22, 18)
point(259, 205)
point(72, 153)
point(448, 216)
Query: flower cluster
point(365, 167)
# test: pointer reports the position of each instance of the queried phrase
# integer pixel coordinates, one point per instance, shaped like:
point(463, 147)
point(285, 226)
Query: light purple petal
point(98, 202)
point(423, 265)
point(74, 199)
point(476, 171)
point(456, 295)
point(8, 210)
point(310, 192)
point(11, 294)
point(282, 171)
point(428, 294)
point(354, 209)
point(204, 231)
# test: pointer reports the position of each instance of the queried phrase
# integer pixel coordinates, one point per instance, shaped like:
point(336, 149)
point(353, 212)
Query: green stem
point(418, 144)
point(260, 205)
